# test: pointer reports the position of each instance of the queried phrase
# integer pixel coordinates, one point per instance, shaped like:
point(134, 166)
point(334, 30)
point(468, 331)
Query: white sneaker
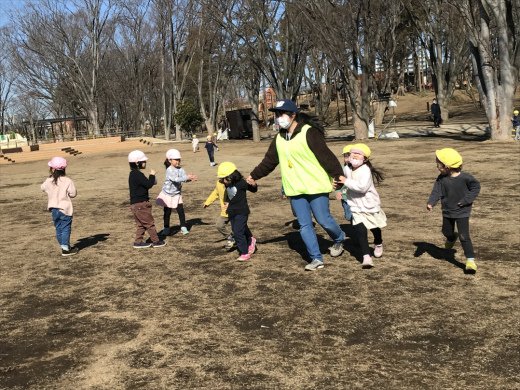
point(367, 262)
point(314, 265)
point(184, 230)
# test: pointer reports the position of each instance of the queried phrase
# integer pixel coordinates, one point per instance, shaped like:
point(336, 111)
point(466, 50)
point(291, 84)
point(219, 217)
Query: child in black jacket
point(237, 208)
point(457, 191)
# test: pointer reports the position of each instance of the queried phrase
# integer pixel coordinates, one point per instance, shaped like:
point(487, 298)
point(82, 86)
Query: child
point(341, 194)
point(140, 200)
point(220, 193)
point(170, 196)
point(237, 208)
point(195, 143)
point(516, 124)
point(60, 189)
point(363, 200)
point(210, 147)
point(457, 191)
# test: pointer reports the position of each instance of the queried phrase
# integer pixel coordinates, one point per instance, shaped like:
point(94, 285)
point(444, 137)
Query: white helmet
point(173, 154)
point(136, 156)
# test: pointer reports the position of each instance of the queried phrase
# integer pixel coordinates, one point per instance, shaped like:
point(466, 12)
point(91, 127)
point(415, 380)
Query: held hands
point(429, 207)
point(251, 181)
point(338, 195)
point(340, 182)
point(152, 172)
point(192, 177)
point(224, 208)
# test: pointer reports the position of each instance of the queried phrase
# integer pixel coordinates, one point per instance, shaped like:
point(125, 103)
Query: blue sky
point(6, 6)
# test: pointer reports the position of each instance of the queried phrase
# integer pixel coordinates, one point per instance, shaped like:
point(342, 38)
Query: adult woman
point(307, 166)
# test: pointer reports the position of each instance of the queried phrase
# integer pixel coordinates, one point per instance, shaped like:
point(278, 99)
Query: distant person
point(363, 200)
point(195, 143)
point(237, 208)
point(220, 193)
point(170, 197)
point(307, 167)
point(436, 112)
point(210, 148)
point(60, 189)
point(516, 124)
point(140, 200)
point(456, 190)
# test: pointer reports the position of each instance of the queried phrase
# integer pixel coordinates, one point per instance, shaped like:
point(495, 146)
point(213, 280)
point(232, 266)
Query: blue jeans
point(319, 205)
point(63, 224)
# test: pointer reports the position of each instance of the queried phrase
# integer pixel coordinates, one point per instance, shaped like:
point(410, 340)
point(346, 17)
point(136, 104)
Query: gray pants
point(517, 129)
point(222, 226)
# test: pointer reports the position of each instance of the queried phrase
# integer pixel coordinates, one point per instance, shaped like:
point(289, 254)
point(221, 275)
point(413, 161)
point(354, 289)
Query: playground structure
point(382, 97)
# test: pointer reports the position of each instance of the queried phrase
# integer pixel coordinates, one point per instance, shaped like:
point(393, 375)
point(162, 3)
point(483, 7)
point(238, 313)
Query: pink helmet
point(58, 163)
point(136, 156)
point(173, 154)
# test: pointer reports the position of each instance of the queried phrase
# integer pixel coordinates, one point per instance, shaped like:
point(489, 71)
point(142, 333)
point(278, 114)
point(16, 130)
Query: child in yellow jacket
point(222, 222)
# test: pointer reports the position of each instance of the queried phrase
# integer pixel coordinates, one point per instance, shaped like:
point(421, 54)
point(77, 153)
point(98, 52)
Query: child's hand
point(338, 195)
point(224, 208)
point(204, 205)
point(429, 207)
point(192, 177)
point(250, 181)
point(152, 172)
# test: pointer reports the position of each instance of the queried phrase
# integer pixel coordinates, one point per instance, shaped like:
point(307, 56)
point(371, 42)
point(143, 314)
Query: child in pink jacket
point(60, 189)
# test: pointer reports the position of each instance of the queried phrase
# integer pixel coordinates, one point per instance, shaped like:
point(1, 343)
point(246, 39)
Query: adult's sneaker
point(471, 267)
point(449, 244)
point(336, 249)
point(159, 244)
point(314, 265)
point(244, 257)
point(230, 243)
point(70, 252)
point(252, 248)
point(166, 231)
point(184, 230)
point(142, 245)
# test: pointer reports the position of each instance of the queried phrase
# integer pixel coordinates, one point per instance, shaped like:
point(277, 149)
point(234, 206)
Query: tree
point(188, 117)
point(494, 44)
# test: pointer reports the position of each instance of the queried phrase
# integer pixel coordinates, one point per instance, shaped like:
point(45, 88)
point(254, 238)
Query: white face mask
point(284, 122)
point(355, 163)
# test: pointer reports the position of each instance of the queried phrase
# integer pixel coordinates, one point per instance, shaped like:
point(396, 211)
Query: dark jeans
point(448, 229)
point(436, 121)
point(211, 154)
point(144, 219)
point(168, 213)
point(241, 232)
point(362, 233)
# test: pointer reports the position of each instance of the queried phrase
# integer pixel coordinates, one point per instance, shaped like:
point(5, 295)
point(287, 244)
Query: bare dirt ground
point(189, 316)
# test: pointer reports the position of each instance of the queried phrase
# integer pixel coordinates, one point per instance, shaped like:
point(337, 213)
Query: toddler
point(60, 189)
point(456, 190)
point(210, 147)
point(170, 196)
point(220, 193)
point(140, 200)
point(195, 143)
point(516, 124)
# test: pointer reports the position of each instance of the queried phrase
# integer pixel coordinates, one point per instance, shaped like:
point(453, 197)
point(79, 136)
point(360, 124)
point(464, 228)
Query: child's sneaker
point(142, 245)
point(159, 244)
point(70, 252)
point(450, 244)
point(252, 247)
point(245, 257)
point(184, 230)
point(471, 267)
point(314, 265)
point(367, 262)
point(378, 250)
point(230, 243)
point(166, 231)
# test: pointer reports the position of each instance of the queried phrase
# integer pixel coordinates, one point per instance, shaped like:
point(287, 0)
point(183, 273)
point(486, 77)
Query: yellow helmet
point(515, 112)
point(225, 169)
point(449, 157)
point(347, 148)
point(361, 148)
point(194, 136)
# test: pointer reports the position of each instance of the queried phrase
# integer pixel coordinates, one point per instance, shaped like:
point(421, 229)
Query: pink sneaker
point(367, 262)
point(245, 257)
point(252, 247)
point(378, 250)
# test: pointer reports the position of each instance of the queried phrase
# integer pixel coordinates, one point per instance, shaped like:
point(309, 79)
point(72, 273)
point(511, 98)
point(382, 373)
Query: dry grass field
point(188, 316)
